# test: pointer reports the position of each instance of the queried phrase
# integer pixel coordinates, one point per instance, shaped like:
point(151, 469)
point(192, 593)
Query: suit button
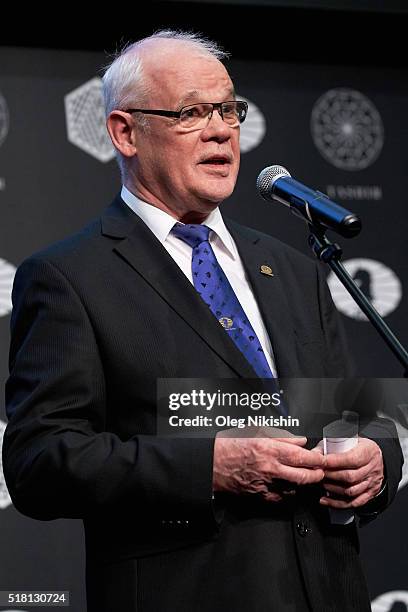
point(303, 529)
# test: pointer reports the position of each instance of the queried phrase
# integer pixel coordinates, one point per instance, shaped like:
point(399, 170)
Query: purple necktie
point(214, 288)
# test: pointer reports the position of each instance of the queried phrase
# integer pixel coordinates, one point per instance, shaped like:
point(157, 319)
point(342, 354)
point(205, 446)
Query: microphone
point(314, 207)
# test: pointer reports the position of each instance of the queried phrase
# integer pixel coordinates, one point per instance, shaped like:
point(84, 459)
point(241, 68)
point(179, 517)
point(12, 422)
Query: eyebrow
point(194, 95)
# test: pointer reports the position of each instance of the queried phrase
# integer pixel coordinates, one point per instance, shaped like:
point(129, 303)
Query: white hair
point(123, 80)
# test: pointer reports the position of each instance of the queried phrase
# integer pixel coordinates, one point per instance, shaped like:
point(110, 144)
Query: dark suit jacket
point(97, 319)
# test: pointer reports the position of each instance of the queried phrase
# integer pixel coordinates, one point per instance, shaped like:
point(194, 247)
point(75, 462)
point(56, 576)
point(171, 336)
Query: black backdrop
point(306, 72)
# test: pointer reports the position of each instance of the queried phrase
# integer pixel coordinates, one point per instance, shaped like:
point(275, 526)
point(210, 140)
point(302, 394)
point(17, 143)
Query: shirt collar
point(158, 221)
point(216, 223)
point(161, 223)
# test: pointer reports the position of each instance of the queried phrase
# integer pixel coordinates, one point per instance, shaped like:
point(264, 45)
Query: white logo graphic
point(7, 272)
point(4, 120)
point(4, 496)
point(386, 601)
point(253, 129)
point(85, 116)
point(347, 129)
point(379, 283)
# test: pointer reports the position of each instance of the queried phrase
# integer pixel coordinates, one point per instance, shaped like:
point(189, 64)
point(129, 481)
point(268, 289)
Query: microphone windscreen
point(267, 177)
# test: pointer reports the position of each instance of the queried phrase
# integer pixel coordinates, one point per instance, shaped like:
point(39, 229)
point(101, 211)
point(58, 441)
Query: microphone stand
point(331, 253)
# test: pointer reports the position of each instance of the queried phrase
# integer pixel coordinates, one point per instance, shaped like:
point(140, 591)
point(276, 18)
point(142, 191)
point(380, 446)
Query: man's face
point(178, 170)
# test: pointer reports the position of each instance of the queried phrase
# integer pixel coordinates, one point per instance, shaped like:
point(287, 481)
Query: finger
point(346, 491)
point(347, 460)
point(357, 457)
point(299, 475)
point(319, 446)
point(261, 488)
point(349, 476)
point(254, 487)
point(341, 504)
point(298, 440)
point(272, 497)
point(300, 457)
point(317, 449)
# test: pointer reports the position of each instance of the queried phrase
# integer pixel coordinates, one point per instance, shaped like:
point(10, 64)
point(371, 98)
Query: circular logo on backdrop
point(379, 284)
point(7, 272)
point(4, 119)
point(387, 601)
point(253, 129)
point(4, 495)
point(347, 129)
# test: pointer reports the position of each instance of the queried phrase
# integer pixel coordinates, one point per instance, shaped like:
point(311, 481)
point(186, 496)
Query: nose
point(216, 128)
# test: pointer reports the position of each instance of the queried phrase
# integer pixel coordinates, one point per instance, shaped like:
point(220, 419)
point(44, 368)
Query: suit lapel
point(144, 253)
point(271, 297)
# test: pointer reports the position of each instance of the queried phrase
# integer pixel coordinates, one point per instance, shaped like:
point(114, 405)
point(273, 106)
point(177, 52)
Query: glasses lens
point(193, 115)
point(231, 113)
point(196, 115)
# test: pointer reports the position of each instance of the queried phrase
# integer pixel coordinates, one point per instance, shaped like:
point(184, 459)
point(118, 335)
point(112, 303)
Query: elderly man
point(181, 524)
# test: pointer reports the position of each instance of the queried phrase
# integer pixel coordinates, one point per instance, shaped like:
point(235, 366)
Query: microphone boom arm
point(331, 253)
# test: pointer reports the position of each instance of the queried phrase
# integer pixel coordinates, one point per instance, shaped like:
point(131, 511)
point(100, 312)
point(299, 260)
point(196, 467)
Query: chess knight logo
point(387, 601)
point(85, 118)
point(378, 282)
point(347, 129)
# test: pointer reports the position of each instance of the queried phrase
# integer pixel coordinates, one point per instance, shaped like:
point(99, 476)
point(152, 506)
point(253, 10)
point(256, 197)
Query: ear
point(120, 126)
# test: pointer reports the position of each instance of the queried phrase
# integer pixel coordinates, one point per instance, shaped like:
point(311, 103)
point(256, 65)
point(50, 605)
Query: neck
point(193, 217)
point(190, 216)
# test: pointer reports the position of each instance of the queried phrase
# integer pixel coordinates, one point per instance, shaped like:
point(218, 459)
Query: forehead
point(181, 76)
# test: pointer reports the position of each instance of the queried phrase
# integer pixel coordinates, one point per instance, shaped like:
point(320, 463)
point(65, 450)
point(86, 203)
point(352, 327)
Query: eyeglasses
point(198, 115)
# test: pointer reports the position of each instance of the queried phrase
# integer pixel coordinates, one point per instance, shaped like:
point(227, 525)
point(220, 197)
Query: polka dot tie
point(214, 288)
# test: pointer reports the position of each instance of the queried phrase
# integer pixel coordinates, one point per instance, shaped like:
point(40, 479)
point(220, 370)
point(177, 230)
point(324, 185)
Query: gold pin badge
point(266, 270)
point(226, 322)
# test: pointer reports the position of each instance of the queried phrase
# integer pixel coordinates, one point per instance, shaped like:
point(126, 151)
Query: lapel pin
point(266, 270)
point(227, 323)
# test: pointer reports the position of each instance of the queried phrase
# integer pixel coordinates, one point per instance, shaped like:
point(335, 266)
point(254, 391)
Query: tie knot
point(193, 234)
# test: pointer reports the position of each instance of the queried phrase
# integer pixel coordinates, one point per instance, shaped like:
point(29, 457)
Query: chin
point(217, 195)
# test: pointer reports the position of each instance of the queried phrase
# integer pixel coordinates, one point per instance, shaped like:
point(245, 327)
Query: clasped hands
point(272, 462)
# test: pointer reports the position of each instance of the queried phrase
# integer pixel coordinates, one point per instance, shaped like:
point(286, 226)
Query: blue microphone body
point(275, 183)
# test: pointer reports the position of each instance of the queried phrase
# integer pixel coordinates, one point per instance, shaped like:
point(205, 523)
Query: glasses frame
point(177, 114)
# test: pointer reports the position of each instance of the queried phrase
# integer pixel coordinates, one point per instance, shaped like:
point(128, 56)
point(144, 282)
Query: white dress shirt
point(225, 250)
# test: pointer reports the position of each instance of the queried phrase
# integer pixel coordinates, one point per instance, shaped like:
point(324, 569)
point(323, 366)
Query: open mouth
point(217, 161)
